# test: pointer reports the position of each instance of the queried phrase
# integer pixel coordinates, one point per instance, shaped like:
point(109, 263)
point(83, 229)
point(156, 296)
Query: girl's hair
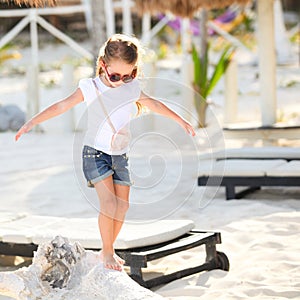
point(120, 47)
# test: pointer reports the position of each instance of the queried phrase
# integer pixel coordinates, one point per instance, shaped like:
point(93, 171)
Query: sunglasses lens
point(127, 79)
point(114, 78)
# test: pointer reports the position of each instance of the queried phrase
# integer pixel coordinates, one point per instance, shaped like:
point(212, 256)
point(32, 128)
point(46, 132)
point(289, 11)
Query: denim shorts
point(98, 165)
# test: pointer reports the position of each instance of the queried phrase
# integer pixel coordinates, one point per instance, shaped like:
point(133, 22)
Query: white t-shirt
point(120, 103)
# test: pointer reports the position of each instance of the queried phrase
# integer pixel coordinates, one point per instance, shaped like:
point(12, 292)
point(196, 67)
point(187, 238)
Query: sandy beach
point(260, 233)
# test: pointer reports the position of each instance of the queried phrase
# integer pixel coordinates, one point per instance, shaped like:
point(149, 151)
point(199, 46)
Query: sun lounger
point(137, 243)
point(267, 133)
point(250, 167)
point(286, 153)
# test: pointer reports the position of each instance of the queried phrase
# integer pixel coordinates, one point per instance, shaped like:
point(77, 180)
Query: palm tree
point(202, 84)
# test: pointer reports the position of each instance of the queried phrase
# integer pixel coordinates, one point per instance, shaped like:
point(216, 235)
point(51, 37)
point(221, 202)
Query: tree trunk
point(201, 102)
point(201, 107)
point(202, 113)
point(98, 34)
point(203, 33)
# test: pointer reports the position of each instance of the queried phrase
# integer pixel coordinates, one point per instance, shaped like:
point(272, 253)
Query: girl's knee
point(123, 206)
point(109, 205)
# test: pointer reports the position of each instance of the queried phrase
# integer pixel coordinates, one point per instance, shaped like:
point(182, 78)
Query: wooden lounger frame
point(137, 258)
point(252, 182)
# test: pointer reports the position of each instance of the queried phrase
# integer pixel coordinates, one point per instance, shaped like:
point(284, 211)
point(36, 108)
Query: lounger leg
point(230, 192)
point(137, 275)
point(216, 259)
point(247, 191)
point(211, 251)
point(211, 254)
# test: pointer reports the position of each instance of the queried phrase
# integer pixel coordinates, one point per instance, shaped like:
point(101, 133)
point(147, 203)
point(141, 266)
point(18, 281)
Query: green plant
point(6, 54)
point(203, 83)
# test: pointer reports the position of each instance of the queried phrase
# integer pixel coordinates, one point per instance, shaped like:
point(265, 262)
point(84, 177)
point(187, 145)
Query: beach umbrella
point(34, 3)
point(183, 8)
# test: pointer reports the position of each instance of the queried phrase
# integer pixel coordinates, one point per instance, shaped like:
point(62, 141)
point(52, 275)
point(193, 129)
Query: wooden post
point(110, 18)
point(127, 22)
point(33, 82)
point(146, 29)
point(67, 88)
point(283, 46)
point(88, 14)
point(149, 68)
point(186, 70)
point(267, 61)
point(231, 88)
point(32, 91)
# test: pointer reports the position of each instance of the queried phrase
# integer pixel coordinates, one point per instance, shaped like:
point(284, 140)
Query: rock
point(4, 120)
point(16, 116)
point(61, 270)
point(62, 258)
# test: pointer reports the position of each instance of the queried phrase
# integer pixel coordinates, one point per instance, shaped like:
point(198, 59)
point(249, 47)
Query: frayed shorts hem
point(102, 177)
point(93, 181)
point(125, 183)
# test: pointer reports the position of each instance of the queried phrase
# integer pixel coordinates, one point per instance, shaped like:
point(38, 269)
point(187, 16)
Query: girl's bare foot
point(119, 259)
point(110, 261)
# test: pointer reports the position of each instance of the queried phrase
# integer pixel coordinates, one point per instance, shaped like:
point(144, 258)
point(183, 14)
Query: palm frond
point(220, 69)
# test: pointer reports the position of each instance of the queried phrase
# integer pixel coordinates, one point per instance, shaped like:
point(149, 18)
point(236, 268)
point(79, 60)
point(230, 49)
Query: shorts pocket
point(89, 161)
point(89, 152)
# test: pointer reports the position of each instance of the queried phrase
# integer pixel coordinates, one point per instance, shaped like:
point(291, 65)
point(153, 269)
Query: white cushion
point(40, 229)
point(239, 167)
point(291, 168)
point(83, 230)
point(9, 216)
point(21, 230)
point(253, 152)
point(86, 232)
point(139, 235)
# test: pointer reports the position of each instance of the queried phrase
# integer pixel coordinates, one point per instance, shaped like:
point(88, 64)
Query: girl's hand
point(188, 127)
point(24, 129)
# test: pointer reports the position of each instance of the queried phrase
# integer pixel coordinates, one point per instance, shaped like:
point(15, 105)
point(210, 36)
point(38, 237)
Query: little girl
point(112, 97)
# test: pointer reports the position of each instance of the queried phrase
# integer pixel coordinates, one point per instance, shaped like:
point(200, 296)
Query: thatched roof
point(183, 8)
point(34, 3)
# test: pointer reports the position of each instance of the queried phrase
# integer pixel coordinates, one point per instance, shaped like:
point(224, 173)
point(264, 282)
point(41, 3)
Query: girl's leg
point(122, 196)
point(108, 204)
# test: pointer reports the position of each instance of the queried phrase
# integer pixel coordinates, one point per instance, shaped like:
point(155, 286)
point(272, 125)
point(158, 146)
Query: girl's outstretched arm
point(52, 111)
point(160, 108)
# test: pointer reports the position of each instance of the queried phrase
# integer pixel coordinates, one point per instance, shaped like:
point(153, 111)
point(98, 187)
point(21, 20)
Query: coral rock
point(61, 270)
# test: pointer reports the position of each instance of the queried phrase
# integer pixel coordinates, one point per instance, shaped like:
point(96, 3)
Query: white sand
point(260, 233)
